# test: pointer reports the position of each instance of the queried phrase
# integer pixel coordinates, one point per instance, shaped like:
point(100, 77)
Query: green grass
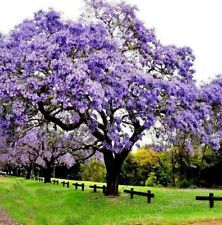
point(34, 203)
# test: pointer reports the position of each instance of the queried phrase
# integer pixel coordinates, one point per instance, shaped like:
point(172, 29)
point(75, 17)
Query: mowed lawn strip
point(34, 203)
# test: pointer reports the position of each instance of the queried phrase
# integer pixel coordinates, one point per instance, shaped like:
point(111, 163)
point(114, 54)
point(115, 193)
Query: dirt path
point(5, 219)
point(208, 223)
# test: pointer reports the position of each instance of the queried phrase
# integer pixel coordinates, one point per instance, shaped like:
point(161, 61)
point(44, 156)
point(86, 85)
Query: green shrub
point(152, 180)
point(185, 184)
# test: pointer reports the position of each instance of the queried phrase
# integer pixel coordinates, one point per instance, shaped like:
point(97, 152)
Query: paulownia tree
point(107, 72)
point(40, 149)
point(44, 148)
point(212, 98)
point(203, 132)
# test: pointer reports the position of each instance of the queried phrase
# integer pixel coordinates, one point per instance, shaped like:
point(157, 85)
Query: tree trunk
point(18, 172)
point(173, 170)
point(28, 172)
point(47, 175)
point(113, 164)
point(112, 182)
point(201, 166)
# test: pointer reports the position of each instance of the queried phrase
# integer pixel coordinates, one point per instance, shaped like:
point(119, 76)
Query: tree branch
point(57, 121)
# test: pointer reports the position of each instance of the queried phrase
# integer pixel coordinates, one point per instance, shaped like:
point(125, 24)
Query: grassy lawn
point(34, 203)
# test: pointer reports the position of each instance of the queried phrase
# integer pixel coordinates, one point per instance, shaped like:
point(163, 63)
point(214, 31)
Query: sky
point(193, 23)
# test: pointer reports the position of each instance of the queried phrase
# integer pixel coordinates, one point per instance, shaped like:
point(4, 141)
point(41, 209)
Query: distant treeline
point(175, 167)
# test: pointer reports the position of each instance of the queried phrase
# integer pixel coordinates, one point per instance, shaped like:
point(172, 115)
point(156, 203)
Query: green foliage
point(176, 167)
point(145, 156)
point(163, 178)
point(152, 180)
point(138, 166)
point(182, 168)
point(185, 184)
point(158, 178)
point(93, 171)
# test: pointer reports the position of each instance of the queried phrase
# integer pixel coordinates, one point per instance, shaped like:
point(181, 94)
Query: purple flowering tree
point(200, 126)
point(212, 100)
point(107, 72)
point(39, 149)
point(20, 158)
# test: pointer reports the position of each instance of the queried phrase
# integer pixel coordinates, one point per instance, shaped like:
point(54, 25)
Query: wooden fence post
point(131, 194)
point(148, 196)
point(211, 200)
point(104, 189)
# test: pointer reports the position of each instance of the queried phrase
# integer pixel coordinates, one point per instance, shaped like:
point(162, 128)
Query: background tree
point(41, 149)
point(93, 170)
point(138, 166)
